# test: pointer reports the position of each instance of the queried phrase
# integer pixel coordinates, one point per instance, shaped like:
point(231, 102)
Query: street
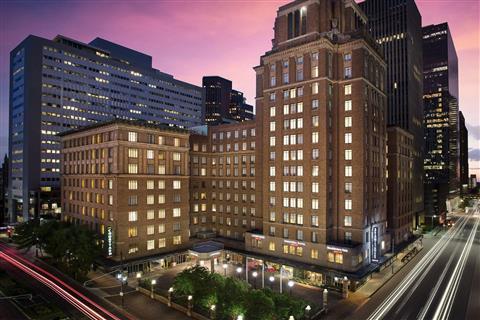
point(61, 289)
point(442, 284)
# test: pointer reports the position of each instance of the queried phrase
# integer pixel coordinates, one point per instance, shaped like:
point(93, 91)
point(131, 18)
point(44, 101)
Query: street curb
point(398, 270)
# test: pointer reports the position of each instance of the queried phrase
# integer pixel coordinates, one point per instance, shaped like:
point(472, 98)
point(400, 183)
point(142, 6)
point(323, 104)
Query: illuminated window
point(161, 214)
point(348, 171)
point(150, 229)
point(348, 89)
point(132, 136)
point(348, 204)
point(132, 232)
point(348, 137)
point(161, 228)
point(347, 221)
point(348, 122)
point(132, 216)
point(132, 185)
point(177, 240)
point(132, 168)
point(348, 154)
point(271, 246)
point(150, 214)
point(177, 212)
point(150, 154)
point(162, 243)
point(177, 184)
point(348, 105)
point(314, 254)
point(150, 244)
point(339, 257)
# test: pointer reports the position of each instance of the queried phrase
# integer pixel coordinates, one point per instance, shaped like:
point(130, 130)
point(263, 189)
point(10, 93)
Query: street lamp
point(255, 274)
point(290, 284)
point(271, 279)
point(307, 311)
point(212, 311)
point(325, 300)
point(189, 311)
point(153, 282)
point(122, 279)
point(225, 269)
point(139, 275)
point(291, 318)
point(240, 317)
point(170, 291)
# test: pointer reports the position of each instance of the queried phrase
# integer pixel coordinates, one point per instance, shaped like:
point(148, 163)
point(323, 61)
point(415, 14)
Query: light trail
point(433, 293)
point(430, 258)
point(29, 267)
point(445, 306)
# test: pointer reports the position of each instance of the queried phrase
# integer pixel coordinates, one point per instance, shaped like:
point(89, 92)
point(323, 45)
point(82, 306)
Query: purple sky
point(190, 39)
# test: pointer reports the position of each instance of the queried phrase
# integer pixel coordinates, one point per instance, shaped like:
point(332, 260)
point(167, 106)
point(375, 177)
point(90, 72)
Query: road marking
point(433, 293)
point(445, 306)
point(426, 260)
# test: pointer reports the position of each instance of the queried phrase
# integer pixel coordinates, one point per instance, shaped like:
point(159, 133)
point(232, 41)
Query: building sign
point(334, 248)
point(109, 241)
point(258, 237)
point(294, 243)
point(375, 244)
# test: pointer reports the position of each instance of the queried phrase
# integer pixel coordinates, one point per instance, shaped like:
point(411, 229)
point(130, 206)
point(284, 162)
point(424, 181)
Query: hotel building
point(225, 190)
point(63, 84)
point(303, 186)
point(321, 111)
point(129, 182)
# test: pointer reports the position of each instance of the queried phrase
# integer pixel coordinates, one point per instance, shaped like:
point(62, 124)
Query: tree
point(26, 234)
point(259, 306)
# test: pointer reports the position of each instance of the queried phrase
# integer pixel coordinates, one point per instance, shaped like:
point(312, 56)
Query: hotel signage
point(375, 244)
point(334, 248)
point(109, 241)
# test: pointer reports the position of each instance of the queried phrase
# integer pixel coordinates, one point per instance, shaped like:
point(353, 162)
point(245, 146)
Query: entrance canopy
point(206, 250)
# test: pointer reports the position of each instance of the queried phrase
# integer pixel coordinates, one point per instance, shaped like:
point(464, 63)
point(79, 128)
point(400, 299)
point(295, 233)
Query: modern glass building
point(63, 84)
point(442, 122)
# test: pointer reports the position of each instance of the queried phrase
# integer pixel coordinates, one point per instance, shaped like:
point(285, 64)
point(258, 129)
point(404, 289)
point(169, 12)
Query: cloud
point(474, 131)
point(474, 154)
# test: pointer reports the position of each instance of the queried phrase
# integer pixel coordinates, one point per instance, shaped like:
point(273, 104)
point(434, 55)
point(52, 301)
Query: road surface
point(443, 284)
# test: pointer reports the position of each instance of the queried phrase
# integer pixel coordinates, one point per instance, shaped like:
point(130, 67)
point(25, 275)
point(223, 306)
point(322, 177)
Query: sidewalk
point(357, 299)
point(137, 304)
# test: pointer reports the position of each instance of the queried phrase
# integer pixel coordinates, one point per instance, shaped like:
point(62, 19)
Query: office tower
point(225, 191)
point(239, 110)
point(321, 116)
point(3, 190)
point(397, 28)
point(400, 184)
point(442, 127)
point(223, 104)
point(62, 84)
point(463, 150)
point(129, 182)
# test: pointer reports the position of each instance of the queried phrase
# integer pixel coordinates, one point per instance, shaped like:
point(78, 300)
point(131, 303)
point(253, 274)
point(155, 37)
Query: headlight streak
point(433, 293)
point(428, 259)
point(445, 306)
